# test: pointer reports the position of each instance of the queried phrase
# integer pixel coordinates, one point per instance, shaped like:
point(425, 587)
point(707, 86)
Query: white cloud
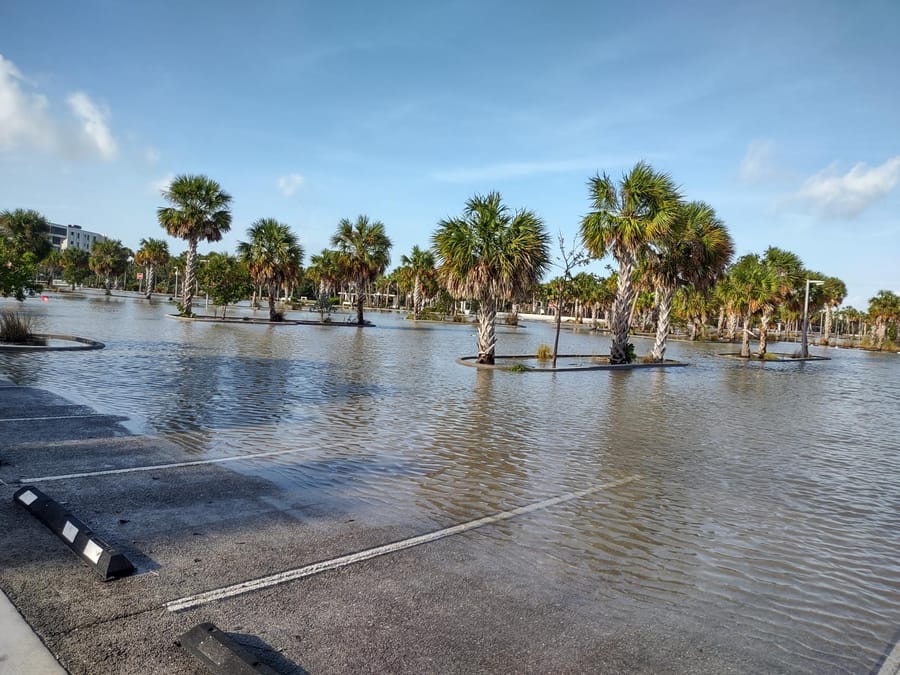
point(160, 184)
point(26, 121)
point(151, 155)
point(23, 115)
point(832, 194)
point(289, 184)
point(758, 164)
point(93, 124)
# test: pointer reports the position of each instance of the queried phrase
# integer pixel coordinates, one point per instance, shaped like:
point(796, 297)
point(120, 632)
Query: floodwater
point(768, 497)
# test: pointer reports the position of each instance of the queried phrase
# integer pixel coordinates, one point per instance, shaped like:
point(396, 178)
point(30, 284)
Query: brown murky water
point(769, 501)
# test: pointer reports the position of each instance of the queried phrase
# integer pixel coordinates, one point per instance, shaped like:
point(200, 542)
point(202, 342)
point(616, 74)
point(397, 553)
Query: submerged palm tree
point(363, 255)
point(152, 254)
point(420, 265)
point(694, 251)
point(490, 254)
point(274, 257)
point(199, 212)
point(783, 276)
point(884, 308)
point(624, 219)
point(108, 258)
point(833, 291)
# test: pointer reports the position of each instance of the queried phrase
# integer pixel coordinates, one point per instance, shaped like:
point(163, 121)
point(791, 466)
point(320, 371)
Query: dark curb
point(470, 362)
point(219, 653)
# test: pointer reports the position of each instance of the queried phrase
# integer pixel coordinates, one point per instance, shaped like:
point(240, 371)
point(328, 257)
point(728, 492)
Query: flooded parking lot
point(731, 514)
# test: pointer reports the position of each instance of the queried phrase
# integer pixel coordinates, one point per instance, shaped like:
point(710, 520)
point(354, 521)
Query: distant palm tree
point(420, 264)
point(884, 309)
point(490, 254)
point(324, 271)
point(199, 212)
point(624, 219)
point(784, 274)
point(152, 254)
point(833, 291)
point(108, 258)
point(274, 257)
point(749, 287)
point(363, 255)
point(693, 251)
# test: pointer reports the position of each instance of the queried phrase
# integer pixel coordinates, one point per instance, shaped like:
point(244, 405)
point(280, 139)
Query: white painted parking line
point(159, 467)
point(53, 417)
point(207, 597)
point(891, 665)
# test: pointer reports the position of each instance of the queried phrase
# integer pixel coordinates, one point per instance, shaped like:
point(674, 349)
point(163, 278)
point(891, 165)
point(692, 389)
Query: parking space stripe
point(158, 467)
point(207, 597)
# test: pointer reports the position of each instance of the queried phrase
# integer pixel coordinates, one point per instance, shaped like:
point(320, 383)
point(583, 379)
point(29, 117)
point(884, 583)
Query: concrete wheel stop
point(100, 556)
point(219, 653)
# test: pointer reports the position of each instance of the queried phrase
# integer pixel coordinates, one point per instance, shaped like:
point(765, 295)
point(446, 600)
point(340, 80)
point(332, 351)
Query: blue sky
point(783, 116)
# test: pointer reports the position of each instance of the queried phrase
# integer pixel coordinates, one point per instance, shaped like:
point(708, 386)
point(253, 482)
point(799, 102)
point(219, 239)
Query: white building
point(73, 236)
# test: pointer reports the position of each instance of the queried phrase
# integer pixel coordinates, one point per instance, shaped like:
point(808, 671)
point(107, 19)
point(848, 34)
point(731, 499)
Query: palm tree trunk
point(763, 334)
point(151, 272)
point(732, 326)
point(720, 326)
point(273, 290)
point(826, 331)
point(487, 339)
point(618, 349)
point(187, 290)
point(417, 298)
point(663, 321)
point(745, 342)
point(106, 289)
point(360, 301)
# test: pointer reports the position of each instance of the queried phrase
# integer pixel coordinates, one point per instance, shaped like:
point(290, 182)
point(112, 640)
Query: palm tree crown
point(490, 254)
point(199, 211)
point(364, 253)
point(273, 255)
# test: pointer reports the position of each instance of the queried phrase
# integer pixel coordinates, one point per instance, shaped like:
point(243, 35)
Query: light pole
point(804, 347)
point(176, 284)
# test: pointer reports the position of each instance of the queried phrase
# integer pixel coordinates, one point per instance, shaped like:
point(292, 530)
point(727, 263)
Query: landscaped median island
point(573, 362)
point(774, 357)
point(17, 334)
point(267, 322)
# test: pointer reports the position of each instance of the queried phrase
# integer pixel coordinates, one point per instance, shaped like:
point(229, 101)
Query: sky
point(784, 116)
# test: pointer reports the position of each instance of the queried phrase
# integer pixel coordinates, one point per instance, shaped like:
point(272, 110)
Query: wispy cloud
point(290, 184)
point(151, 155)
point(26, 121)
point(758, 164)
point(160, 184)
point(835, 195)
point(94, 129)
point(515, 170)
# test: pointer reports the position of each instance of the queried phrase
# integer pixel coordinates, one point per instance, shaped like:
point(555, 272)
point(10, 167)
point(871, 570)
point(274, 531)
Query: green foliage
point(17, 272)
point(630, 354)
point(544, 352)
point(26, 231)
point(108, 258)
point(226, 279)
point(518, 368)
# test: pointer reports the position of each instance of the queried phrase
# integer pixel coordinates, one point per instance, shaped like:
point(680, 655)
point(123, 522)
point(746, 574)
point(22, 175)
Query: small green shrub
point(544, 352)
point(630, 354)
point(278, 316)
point(518, 368)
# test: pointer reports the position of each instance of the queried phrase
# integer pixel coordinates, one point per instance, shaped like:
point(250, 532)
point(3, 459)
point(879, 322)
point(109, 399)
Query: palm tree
point(108, 258)
point(420, 264)
point(325, 272)
point(784, 275)
point(884, 308)
point(833, 293)
point(490, 254)
point(363, 254)
point(694, 251)
point(274, 257)
point(27, 231)
point(153, 253)
point(748, 289)
point(623, 220)
point(199, 212)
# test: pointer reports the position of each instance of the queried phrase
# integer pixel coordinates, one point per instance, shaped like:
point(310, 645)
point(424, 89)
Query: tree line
point(673, 260)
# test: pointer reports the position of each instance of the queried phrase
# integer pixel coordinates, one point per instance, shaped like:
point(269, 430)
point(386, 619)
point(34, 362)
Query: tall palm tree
point(420, 264)
point(108, 258)
point(152, 254)
point(784, 274)
point(749, 288)
point(884, 308)
point(274, 257)
point(363, 254)
point(324, 271)
point(833, 291)
point(199, 212)
point(623, 220)
point(27, 231)
point(693, 251)
point(490, 254)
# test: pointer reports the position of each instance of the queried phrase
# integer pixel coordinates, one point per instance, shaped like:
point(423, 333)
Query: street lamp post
point(804, 346)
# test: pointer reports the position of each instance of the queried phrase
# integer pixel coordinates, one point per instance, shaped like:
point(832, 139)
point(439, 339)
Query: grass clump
point(518, 368)
point(16, 328)
point(544, 352)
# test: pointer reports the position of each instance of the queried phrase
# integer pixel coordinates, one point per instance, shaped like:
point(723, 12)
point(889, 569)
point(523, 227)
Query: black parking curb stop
point(219, 653)
point(106, 561)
